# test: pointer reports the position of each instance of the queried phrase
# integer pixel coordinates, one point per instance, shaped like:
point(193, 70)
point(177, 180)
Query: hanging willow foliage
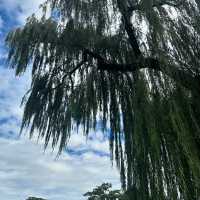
point(134, 65)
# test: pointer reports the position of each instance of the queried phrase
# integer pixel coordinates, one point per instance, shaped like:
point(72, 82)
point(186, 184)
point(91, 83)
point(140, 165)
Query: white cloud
point(22, 5)
point(26, 171)
point(22, 8)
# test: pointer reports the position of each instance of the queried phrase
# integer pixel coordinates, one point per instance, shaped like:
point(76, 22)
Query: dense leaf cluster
point(104, 192)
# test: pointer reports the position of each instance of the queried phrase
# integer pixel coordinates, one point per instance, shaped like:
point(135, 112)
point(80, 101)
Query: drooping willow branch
point(155, 5)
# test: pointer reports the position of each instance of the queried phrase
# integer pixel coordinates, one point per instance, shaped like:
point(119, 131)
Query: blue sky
point(25, 170)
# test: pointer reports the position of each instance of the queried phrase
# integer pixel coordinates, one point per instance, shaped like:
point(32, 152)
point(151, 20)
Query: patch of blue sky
point(80, 152)
point(5, 120)
point(9, 135)
point(9, 20)
point(55, 15)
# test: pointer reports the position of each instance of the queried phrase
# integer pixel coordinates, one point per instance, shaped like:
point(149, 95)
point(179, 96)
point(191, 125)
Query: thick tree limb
point(129, 28)
point(181, 76)
point(150, 63)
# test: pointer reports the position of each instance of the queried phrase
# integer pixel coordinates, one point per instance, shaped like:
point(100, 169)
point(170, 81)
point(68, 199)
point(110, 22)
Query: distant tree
point(104, 192)
point(132, 64)
point(35, 198)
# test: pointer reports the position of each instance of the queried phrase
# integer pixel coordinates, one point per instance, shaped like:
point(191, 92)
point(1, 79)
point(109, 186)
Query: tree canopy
point(134, 66)
point(104, 192)
point(34, 198)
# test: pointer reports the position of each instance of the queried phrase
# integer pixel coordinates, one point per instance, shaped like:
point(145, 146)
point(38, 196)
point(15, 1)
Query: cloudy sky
point(25, 169)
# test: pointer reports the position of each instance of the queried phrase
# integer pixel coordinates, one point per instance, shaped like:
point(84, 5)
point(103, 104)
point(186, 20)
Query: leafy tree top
point(132, 64)
point(104, 192)
point(35, 198)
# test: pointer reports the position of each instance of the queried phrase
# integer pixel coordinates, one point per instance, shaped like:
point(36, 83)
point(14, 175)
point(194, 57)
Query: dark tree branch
point(129, 28)
point(104, 64)
point(149, 63)
point(182, 77)
point(69, 74)
point(76, 68)
point(185, 78)
point(94, 55)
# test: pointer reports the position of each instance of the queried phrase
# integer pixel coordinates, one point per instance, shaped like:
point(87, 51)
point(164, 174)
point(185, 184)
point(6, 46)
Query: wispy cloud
point(25, 170)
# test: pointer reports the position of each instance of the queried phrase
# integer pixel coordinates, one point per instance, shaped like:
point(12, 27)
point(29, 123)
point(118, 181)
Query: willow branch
point(155, 5)
point(69, 74)
point(76, 68)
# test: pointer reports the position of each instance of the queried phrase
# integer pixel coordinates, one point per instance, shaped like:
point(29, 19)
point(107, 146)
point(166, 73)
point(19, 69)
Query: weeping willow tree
point(134, 66)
